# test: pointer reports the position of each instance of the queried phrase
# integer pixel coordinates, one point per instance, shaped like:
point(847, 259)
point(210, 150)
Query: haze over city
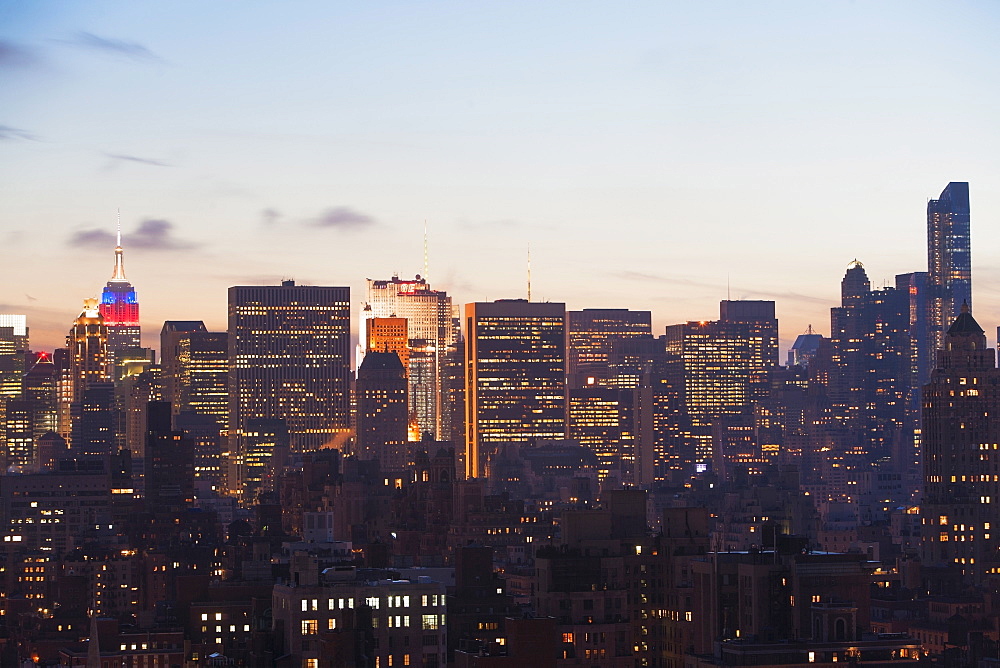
point(653, 156)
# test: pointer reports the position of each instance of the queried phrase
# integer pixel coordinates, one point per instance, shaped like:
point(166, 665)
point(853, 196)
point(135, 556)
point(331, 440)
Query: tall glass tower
point(949, 266)
point(120, 307)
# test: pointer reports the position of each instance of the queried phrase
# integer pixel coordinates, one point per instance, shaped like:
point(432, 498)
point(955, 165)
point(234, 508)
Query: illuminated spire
point(119, 273)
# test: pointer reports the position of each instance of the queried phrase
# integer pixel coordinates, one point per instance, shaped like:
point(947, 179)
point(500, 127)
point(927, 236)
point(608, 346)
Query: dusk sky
point(649, 152)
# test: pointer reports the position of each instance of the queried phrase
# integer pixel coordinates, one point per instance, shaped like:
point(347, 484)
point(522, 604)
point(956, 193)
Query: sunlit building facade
point(289, 358)
point(432, 337)
point(515, 363)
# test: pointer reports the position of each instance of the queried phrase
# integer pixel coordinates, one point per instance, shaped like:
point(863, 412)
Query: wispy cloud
point(113, 46)
point(342, 218)
point(151, 234)
point(9, 133)
point(16, 55)
point(270, 216)
point(137, 159)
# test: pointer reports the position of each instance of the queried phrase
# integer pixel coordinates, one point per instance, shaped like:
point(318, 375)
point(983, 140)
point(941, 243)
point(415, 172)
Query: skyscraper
point(195, 369)
point(120, 307)
point(382, 411)
point(433, 337)
point(871, 379)
point(961, 429)
point(515, 376)
point(949, 262)
point(721, 362)
point(88, 350)
point(289, 358)
point(592, 332)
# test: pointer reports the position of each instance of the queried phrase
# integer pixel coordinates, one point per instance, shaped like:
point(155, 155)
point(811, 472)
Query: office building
point(120, 307)
point(195, 369)
point(949, 259)
point(432, 340)
point(603, 420)
point(515, 376)
point(720, 362)
point(289, 359)
point(961, 429)
point(592, 332)
point(382, 411)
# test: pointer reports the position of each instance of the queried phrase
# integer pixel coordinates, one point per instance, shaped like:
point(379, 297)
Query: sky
point(653, 155)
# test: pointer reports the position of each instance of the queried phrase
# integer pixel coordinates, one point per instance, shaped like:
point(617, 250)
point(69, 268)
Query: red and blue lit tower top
point(120, 306)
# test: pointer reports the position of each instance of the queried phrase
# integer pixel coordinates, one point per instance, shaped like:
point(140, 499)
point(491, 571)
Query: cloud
point(14, 55)
point(118, 47)
point(151, 234)
point(141, 161)
point(269, 216)
point(9, 133)
point(343, 218)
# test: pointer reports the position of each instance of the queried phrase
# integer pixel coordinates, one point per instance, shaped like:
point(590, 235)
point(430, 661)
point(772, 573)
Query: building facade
point(289, 358)
point(515, 362)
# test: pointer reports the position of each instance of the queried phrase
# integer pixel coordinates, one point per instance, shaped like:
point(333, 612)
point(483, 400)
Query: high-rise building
point(289, 358)
point(382, 411)
point(88, 349)
point(603, 419)
point(388, 335)
point(169, 466)
point(961, 429)
point(13, 353)
point(762, 328)
point(721, 361)
point(949, 259)
point(592, 332)
point(433, 336)
point(870, 383)
point(515, 364)
point(120, 307)
point(195, 369)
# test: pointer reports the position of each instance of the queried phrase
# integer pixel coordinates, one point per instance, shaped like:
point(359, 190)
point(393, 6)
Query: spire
point(119, 273)
point(94, 643)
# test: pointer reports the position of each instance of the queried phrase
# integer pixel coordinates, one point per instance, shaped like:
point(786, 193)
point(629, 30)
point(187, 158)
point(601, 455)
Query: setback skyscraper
point(120, 307)
point(289, 358)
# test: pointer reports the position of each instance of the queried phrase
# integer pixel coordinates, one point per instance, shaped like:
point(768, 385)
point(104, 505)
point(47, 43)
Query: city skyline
point(640, 154)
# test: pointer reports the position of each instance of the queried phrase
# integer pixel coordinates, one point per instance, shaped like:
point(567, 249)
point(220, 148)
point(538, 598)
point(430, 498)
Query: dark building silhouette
point(95, 421)
point(960, 434)
point(289, 358)
point(870, 381)
point(382, 410)
point(169, 465)
point(949, 259)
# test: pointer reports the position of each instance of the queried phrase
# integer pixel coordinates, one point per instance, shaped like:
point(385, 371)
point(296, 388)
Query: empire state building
point(120, 307)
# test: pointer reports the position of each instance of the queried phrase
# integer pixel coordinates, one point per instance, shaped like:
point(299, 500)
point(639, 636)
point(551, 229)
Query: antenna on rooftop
point(426, 262)
point(529, 272)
